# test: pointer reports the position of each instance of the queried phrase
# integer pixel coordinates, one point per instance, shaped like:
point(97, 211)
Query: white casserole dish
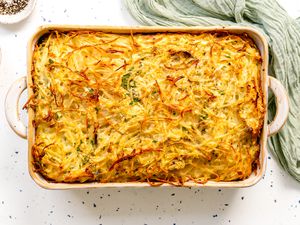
point(13, 96)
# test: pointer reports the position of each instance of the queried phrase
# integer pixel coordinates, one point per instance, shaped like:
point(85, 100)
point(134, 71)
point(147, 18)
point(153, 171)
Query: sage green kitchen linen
point(282, 33)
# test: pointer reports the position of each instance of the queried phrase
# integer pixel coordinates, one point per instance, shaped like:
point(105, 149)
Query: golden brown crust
point(165, 108)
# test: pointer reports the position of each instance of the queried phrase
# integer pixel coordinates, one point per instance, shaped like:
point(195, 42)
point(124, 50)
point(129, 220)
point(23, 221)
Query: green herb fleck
point(203, 117)
point(135, 100)
point(57, 115)
point(125, 79)
point(90, 90)
point(132, 84)
point(92, 142)
point(85, 160)
point(51, 61)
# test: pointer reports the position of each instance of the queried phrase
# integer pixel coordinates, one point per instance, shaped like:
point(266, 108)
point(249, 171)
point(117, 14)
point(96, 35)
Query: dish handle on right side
point(282, 106)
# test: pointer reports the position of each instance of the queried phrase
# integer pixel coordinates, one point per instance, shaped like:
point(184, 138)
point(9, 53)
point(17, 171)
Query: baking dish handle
point(12, 107)
point(282, 106)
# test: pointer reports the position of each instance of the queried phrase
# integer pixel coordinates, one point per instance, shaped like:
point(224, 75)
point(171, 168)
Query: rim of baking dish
point(259, 40)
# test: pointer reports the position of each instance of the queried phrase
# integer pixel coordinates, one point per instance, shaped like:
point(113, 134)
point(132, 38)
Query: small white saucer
point(15, 18)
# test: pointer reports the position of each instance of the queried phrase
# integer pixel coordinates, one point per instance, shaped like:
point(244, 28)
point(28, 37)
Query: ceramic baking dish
point(13, 97)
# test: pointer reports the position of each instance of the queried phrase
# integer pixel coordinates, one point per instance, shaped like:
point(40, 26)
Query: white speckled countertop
point(274, 200)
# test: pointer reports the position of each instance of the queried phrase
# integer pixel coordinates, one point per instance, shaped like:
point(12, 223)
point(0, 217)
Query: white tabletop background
point(274, 200)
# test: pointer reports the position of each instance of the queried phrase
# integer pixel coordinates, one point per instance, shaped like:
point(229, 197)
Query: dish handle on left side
point(12, 107)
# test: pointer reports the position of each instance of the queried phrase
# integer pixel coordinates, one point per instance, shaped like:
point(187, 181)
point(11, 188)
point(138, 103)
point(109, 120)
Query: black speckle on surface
point(242, 197)
point(20, 190)
point(100, 217)
point(119, 191)
point(275, 200)
point(82, 202)
point(94, 205)
point(173, 194)
point(226, 204)
point(215, 215)
point(3, 202)
point(108, 195)
point(16, 152)
point(178, 210)
point(269, 157)
point(229, 221)
point(69, 201)
point(87, 192)
point(174, 223)
point(117, 210)
point(298, 202)
point(10, 217)
point(69, 215)
point(51, 211)
point(219, 190)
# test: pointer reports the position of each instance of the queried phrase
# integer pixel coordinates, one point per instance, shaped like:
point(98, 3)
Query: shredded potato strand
point(157, 108)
